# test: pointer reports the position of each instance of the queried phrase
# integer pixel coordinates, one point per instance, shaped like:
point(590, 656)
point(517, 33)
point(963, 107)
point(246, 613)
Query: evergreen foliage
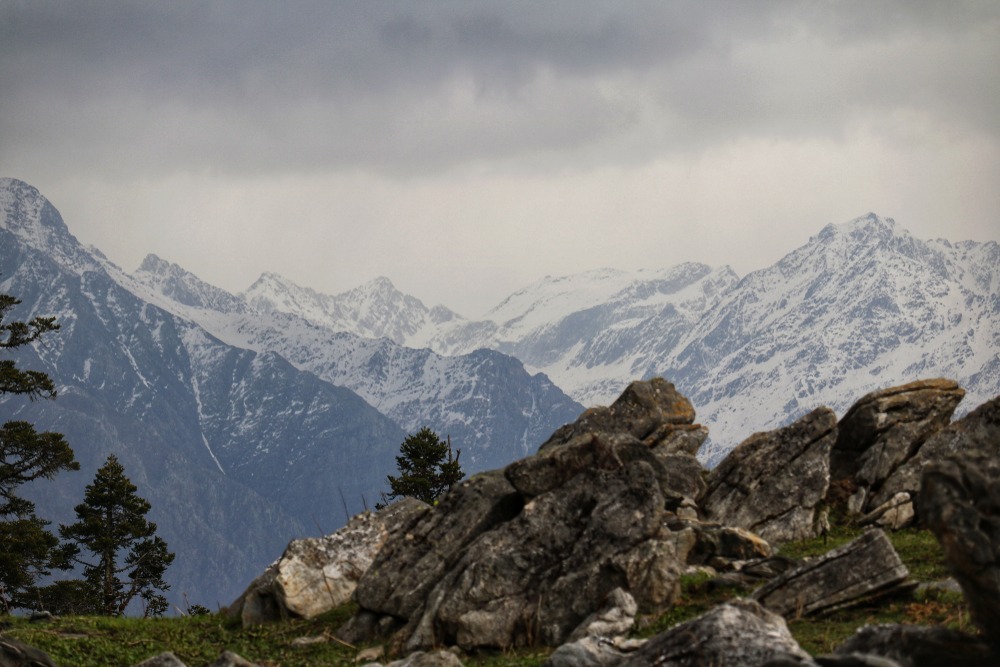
point(427, 468)
point(129, 559)
point(27, 549)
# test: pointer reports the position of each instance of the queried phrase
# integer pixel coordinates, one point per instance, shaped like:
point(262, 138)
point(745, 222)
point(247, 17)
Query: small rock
point(165, 659)
point(895, 513)
point(740, 633)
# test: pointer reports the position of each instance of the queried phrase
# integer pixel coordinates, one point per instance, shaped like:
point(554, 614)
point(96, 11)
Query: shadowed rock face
point(526, 555)
point(884, 430)
point(773, 483)
point(959, 502)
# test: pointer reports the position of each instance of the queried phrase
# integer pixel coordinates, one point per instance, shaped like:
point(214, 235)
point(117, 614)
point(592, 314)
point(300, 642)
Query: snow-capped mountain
point(373, 310)
point(595, 332)
point(863, 305)
point(493, 409)
point(238, 452)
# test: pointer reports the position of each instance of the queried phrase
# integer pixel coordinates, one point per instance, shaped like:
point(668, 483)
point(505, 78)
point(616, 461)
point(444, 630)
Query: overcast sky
point(465, 149)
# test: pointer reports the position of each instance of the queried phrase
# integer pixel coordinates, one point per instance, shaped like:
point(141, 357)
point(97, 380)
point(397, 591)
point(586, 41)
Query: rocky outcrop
point(529, 555)
point(866, 567)
point(978, 431)
point(740, 633)
point(773, 483)
point(959, 502)
point(884, 430)
point(315, 575)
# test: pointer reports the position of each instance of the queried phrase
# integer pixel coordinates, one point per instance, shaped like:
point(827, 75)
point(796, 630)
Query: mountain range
point(252, 418)
point(238, 448)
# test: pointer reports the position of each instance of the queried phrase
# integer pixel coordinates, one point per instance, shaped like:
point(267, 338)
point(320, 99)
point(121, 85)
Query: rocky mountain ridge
point(860, 305)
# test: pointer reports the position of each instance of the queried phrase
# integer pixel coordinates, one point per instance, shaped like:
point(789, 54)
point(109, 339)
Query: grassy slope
point(198, 641)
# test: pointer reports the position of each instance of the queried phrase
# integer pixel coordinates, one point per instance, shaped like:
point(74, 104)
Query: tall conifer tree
point(27, 549)
point(128, 558)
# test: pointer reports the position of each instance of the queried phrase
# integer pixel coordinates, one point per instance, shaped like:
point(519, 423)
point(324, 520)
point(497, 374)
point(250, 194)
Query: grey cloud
point(405, 88)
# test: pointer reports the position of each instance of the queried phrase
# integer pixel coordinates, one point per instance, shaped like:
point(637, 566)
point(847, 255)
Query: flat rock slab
point(865, 567)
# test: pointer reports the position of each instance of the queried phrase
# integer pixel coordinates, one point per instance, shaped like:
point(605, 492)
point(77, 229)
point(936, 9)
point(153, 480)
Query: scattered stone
point(230, 659)
point(893, 514)
point(959, 502)
point(723, 544)
point(17, 654)
point(773, 483)
point(737, 634)
point(863, 568)
point(431, 659)
point(315, 575)
point(370, 654)
point(165, 659)
point(592, 652)
point(302, 642)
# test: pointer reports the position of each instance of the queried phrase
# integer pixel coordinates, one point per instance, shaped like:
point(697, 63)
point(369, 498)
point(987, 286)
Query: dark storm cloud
point(252, 86)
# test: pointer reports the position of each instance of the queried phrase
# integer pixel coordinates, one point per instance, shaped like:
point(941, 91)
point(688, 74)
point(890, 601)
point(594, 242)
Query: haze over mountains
point(249, 419)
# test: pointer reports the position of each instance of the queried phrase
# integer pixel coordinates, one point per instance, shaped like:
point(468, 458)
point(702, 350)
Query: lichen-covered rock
point(773, 483)
point(978, 431)
point(652, 411)
point(886, 428)
point(535, 578)
point(959, 502)
point(317, 574)
point(415, 559)
point(865, 567)
point(740, 633)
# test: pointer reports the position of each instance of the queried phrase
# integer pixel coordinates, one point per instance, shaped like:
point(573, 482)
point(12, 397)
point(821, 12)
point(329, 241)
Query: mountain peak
point(179, 284)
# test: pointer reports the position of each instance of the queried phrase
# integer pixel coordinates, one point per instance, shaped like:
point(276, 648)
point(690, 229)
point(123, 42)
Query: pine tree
point(27, 549)
point(129, 559)
point(427, 468)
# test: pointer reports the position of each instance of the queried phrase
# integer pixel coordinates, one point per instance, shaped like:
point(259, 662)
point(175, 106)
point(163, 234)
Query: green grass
point(93, 642)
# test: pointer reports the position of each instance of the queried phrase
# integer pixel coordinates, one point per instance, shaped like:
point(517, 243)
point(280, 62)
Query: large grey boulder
point(885, 429)
point(959, 502)
point(773, 483)
point(978, 431)
point(740, 633)
point(536, 578)
point(526, 555)
point(652, 411)
point(863, 568)
point(317, 574)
